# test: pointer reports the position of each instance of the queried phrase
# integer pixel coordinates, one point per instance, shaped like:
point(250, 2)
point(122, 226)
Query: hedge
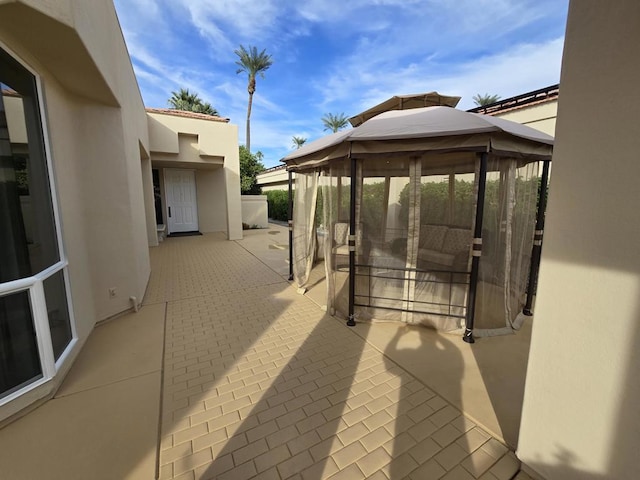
point(278, 204)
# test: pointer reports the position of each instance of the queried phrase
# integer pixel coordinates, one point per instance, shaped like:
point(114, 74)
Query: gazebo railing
point(421, 304)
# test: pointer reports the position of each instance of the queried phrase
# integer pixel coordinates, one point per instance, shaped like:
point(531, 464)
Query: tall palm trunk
point(248, 133)
point(251, 88)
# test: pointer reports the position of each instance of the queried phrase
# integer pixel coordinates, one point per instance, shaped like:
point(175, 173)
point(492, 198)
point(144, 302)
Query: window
point(19, 358)
point(35, 322)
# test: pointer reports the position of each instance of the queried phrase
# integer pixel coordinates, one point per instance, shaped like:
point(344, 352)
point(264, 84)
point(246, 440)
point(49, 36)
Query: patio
point(255, 381)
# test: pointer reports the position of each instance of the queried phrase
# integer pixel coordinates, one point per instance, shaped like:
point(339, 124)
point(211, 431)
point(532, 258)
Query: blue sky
point(338, 56)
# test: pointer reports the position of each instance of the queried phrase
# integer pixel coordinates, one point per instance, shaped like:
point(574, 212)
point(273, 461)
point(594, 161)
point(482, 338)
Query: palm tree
point(190, 102)
point(298, 141)
point(253, 63)
point(486, 99)
point(334, 122)
point(183, 99)
point(206, 108)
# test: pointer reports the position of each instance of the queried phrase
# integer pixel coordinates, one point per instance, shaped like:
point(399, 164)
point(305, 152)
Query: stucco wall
point(580, 416)
point(274, 180)
point(541, 117)
point(95, 141)
point(211, 192)
point(254, 210)
point(96, 128)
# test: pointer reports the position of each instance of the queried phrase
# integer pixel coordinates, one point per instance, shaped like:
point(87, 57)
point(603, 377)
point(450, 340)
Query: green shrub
point(278, 204)
point(435, 203)
point(250, 166)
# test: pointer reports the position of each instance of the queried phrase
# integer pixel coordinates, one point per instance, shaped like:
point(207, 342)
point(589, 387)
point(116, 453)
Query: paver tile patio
point(271, 385)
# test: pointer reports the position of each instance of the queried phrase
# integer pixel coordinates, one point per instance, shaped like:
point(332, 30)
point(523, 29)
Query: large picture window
point(35, 322)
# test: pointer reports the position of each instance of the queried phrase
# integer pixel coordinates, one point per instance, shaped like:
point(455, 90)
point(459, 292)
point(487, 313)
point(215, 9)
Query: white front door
point(182, 207)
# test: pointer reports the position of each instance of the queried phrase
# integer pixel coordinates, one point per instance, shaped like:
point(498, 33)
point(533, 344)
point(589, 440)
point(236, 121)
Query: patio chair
point(340, 245)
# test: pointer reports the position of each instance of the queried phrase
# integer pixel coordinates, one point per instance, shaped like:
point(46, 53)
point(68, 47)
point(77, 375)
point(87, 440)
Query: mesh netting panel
point(413, 241)
point(335, 183)
point(304, 230)
point(508, 228)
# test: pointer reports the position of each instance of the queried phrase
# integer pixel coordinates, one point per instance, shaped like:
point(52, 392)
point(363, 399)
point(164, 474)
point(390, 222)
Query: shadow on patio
point(476, 379)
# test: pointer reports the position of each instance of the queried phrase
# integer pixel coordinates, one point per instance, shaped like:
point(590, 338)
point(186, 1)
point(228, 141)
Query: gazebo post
point(537, 240)
point(351, 322)
point(476, 252)
point(290, 225)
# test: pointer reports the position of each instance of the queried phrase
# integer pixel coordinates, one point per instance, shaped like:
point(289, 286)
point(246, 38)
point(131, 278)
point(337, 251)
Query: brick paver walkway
point(260, 383)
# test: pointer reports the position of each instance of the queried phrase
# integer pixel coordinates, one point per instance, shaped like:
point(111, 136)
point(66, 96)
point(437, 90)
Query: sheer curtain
point(336, 185)
point(508, 229)
point(304, 228)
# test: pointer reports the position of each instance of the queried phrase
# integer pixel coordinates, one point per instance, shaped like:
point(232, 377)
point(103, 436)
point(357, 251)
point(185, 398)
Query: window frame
point(35, 283)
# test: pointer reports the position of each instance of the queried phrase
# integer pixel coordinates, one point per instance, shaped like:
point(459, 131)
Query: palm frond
point(334, 122)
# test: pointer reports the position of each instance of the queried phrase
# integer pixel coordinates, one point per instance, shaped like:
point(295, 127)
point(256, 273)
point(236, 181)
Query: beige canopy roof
point(324, 148)
point(426, 129)
point(405, 102)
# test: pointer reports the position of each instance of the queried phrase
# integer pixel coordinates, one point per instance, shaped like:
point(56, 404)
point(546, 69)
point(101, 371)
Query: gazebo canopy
point(426, 129)
point(405, 102)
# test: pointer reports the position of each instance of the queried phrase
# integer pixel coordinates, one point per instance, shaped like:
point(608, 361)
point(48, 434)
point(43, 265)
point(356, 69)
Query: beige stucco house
point(537, 109)
point(196, 169)
point(78, 159)
point(274, 178)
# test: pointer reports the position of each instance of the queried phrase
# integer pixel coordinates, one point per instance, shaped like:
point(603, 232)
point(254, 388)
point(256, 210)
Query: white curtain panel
point(304, 229)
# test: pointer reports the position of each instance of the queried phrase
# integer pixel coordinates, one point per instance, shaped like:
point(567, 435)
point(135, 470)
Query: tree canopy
point(190, 102)
point(486, 99)
point(250, 166)
point(252, 63)
point(335, 122)
point(298, 141)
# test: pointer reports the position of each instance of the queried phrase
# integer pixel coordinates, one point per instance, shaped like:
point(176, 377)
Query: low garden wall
point(254, 211)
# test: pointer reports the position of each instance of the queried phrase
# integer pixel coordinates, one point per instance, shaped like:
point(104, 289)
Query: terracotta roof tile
point(187, 114)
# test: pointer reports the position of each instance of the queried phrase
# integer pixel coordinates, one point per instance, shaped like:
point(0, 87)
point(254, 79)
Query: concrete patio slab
point(104, 433)
point(125, 347)
point(103, 422)
point(271, 249)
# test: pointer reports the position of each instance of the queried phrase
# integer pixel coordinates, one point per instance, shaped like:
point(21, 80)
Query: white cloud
point(361, 82)
point(519, 70)
point(226, 23)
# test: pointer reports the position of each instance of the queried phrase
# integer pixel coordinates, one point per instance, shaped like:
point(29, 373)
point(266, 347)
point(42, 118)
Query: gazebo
point(426, 216)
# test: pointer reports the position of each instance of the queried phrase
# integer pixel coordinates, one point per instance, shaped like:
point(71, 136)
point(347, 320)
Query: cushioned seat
point(445, 246)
